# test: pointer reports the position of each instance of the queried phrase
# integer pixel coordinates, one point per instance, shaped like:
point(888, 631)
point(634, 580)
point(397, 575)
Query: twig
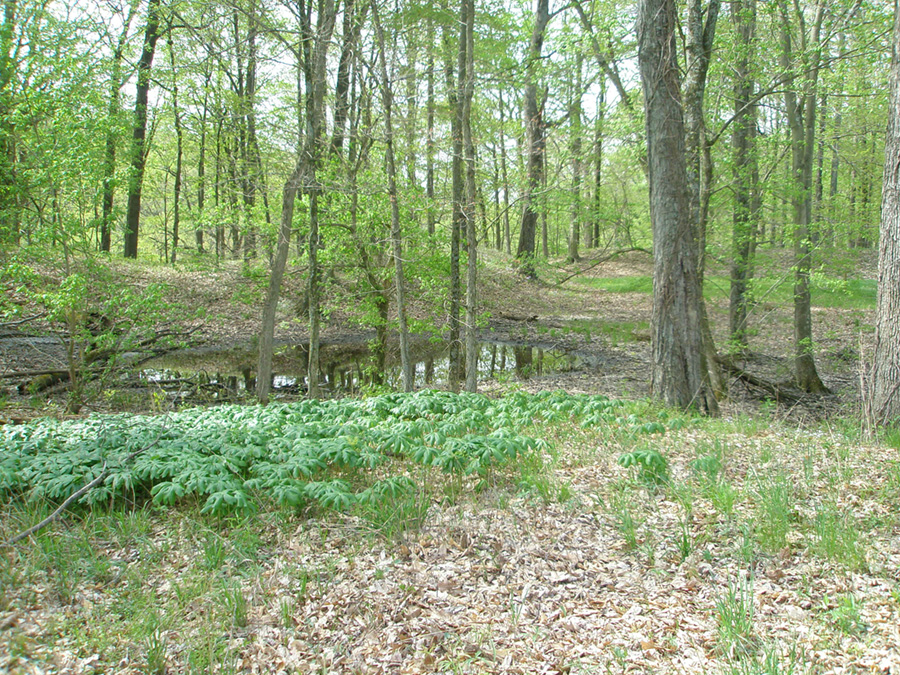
point(76, 495)
point(21, 321)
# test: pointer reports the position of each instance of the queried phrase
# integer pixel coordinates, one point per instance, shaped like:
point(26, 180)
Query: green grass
point(174, 589)
point(825, 291)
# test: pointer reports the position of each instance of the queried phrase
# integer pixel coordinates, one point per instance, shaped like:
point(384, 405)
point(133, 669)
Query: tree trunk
point(109, 157)
point(406, 364)
point(201, 162)
point(267, 324)
point(467, 13)
point(353, 20)
point(504, 176)
point(886, 386)
point(9, 207)
point(535, 129)
point(592, 233)
point(800, 95)
point(743, 14)
point(575, 120)
point(304, 175)
point(429, 141)
point(138, 151)
point(179, 153)
point(676, 376)
point(457, 223)
point(699, 42)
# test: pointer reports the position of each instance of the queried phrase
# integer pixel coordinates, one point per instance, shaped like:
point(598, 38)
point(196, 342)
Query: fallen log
point(777, 390)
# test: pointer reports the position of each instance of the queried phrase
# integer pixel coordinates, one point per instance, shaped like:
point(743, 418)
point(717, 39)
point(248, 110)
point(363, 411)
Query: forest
point(488, 337)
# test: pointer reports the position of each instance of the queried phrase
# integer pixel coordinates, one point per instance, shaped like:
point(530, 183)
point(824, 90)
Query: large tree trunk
point(504, 175)
point(315, 121)
point(457, 222)
point(267, 324)
point(886, 386)
point(138, 151)
point(676, 377)
point(201, 161)
point(698, 47)
point(743, 14)
point(535, 129)
point(429, 123)
point(109, 157)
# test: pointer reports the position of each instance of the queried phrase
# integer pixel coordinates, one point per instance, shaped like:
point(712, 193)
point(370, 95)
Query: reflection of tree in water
point(524, 361)
point(344, 368)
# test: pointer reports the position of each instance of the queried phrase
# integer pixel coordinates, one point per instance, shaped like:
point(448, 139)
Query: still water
point(345, 368)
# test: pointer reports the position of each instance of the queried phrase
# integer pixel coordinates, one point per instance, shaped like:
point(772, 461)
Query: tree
point(743, 16)
point(800, 98)
point(700, 36)
point(139, 135)
point(677, 377)
point(9, 201)
point(886, 371)
point(535, 142)
point(303, 175)
point(396, 232)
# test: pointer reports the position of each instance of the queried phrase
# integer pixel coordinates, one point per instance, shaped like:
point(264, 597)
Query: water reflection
point(345, 368)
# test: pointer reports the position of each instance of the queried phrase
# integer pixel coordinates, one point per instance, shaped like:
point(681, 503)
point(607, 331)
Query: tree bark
point(396, 232)
point(467, 13)
point(535, 129)
point(429, 141)
point(800, 96)
point(676, 376)
point(743, 15)
point(886, 372)
point(179, 153)
point(109, 157)
point(575, 141)
point(9, 190)
point(303, 176)
point(699, 40)
point(458, 186)
point(138, 151)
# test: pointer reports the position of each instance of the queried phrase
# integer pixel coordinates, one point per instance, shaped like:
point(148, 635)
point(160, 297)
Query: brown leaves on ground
point(502, 582)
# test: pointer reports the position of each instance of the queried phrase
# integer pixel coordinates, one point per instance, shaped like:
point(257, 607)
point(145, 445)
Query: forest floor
point(772, 548)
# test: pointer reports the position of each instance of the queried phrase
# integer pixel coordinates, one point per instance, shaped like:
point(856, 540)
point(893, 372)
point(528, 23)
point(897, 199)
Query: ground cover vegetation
point(567, 533)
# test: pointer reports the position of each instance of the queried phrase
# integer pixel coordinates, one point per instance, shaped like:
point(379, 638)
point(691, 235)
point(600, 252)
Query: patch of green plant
point(774, 511)
point(327, 453)
point(723, 496)
point(627, 284)
point(836, 537)
point(236, 606)
point(734, 620)
point(844, 615)
point(156, 653)
point(651, 467)
point(396, 515)
point(626, 518)
point(769, 662)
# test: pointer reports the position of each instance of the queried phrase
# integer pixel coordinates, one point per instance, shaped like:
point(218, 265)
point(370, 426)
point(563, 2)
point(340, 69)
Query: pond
point(345, 367)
